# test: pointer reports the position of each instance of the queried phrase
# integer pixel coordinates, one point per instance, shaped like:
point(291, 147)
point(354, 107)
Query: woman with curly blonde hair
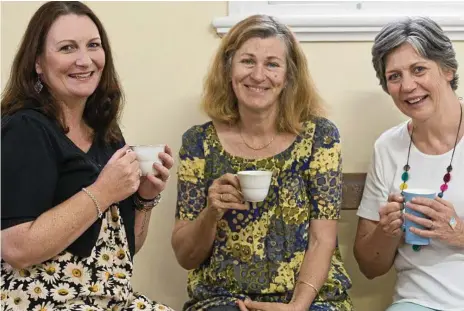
point(266, 115)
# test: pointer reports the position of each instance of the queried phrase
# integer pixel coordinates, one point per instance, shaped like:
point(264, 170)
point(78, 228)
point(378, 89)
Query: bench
point(353, 186)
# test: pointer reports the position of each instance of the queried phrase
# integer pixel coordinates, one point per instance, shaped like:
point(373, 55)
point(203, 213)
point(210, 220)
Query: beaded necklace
point(446, 177)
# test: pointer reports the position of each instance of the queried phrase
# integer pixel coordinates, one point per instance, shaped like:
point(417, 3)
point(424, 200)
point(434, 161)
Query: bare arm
point(142, 222)
point(377, 242)
point(374, 250)
point(192, 241)
point(316, 262)
point(39, 240)
point(314, 270)
point(54, 230)
point(324, 220)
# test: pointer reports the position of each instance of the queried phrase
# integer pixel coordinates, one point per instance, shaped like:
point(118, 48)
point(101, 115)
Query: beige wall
point(162, 51)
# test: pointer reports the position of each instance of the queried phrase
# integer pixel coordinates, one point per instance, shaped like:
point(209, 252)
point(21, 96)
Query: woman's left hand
point(443, 223)
point(152, 185)
point(249, 305)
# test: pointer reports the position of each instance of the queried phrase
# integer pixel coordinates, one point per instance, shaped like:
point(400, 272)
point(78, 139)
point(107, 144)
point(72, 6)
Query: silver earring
point(38, 86)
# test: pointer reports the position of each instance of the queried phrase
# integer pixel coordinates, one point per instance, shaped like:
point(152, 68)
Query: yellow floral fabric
point(100, 282)
point(257, 253)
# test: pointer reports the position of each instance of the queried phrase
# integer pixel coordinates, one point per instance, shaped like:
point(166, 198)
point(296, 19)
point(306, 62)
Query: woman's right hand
point(120, 177)
point(391, 216)
point(224, 194)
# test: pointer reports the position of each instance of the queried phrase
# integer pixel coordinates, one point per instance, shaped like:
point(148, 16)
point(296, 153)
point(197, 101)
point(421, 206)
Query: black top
point(42, 167)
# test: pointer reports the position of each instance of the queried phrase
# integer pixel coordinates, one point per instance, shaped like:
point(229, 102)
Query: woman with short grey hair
point(422, 237)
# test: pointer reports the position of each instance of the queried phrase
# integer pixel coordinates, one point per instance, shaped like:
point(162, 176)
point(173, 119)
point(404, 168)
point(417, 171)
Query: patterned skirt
point(100, 282)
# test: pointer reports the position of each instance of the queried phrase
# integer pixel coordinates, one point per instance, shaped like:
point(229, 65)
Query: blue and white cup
point(409, 194)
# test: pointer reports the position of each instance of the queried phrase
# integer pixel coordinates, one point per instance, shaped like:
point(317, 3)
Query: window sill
point(343, 27)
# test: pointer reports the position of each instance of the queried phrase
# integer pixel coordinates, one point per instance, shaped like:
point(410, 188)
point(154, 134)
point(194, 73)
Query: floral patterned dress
point(68, 282)
point(258, 253)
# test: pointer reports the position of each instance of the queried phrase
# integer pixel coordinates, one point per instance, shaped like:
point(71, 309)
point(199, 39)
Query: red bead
point(444, 187)
point(447, 178)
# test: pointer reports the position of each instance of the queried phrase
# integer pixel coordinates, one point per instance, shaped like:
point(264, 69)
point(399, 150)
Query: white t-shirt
point(434, 276)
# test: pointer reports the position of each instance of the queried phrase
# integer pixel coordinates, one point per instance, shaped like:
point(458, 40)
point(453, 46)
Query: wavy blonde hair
point(299, 100)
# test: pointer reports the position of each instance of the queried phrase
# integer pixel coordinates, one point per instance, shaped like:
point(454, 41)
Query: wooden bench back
point(353, 186)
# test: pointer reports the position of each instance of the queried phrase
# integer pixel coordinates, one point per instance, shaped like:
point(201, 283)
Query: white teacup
point(254, 184)
point(147, 155)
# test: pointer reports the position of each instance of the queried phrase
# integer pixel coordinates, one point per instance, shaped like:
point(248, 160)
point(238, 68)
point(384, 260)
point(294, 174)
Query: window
point(345, 20)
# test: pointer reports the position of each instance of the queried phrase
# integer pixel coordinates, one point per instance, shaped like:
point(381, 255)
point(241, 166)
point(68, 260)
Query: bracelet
point(310, 285)
point(99, 212)
point(145, 205)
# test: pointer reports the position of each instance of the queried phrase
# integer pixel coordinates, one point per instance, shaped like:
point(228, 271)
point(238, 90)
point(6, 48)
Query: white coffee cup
point(254, 184)
point(147, 155)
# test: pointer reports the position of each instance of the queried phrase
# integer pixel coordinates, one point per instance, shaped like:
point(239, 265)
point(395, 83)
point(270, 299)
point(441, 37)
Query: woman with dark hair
point(74, 207)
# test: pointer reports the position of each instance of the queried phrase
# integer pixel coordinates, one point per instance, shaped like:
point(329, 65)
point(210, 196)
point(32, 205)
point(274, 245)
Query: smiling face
point(415, 83)
point(73, 59)
point(259, 69)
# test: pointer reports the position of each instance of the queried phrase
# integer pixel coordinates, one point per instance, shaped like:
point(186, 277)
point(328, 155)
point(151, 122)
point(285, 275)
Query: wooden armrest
point(353, 187)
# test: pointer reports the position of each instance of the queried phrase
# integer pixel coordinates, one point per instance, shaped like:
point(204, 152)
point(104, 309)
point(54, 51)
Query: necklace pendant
point(405, 176)
point(416, 248)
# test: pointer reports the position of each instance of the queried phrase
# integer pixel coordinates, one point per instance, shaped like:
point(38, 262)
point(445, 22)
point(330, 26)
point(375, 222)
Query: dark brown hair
point(103, 107)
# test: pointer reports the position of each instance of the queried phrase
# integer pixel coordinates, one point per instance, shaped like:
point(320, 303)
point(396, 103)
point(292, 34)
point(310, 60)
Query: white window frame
point(345, 20)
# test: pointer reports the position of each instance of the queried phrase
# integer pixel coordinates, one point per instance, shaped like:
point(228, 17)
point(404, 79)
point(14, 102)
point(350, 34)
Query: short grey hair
point(424, 35)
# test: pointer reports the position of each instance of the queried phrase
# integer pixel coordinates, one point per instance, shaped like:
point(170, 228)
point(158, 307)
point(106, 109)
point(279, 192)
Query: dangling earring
point(38, 86)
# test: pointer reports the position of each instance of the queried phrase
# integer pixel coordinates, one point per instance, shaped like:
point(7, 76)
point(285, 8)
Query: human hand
point(443, 223)
point(391, 216)
point(119, 179)
point(224, 194)
point(152, 185)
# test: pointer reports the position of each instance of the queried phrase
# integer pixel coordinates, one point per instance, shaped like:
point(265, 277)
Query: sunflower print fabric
point(100, 282)
point(257, 253)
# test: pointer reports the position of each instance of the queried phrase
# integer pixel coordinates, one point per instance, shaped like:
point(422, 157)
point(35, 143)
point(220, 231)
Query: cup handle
point(236, 176)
